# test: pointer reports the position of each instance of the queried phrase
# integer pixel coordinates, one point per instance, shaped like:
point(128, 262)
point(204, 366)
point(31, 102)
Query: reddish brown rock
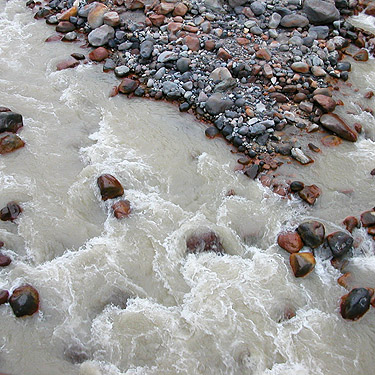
point(345, 280)
point(109, 187)
point(371, 230)
point(339, 243)
point(263, 54)
point(10, 121)
point(67, 64)
point(325, 102)
point(157, 19)
point(10, 212)
point(335, 124)
point(65, 27)
point(312, 233)
point(98, 54)
point(65, 16)
point(368, 218)
point(174, 27)
point(190, 28)
point(331, 141)
point(243, 41)
point(300, 67)
point(350, 223)
point(290, 241)
point(135, 4)
point(192, 42)
point(279, 97)
point(10, 142)
point(209, 45)
point(111, 19)
point(369, 94)
point(180, 10)
point(302, 263)
point(361, 55)
point(223, 54)
point(355, 304)
point(313, 148)
point(54, 38)
point(5, 260)
point(310, 194)
point(207, 241)
point(4, 296)
point(24, 301)
point(121, 209)
point(358, 127)
point(127, 86)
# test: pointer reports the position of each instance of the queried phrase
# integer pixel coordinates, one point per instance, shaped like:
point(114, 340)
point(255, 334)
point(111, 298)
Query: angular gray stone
point(146, 49)
point(167, 56)
point(220, 74)
point(320, 12)
point(258, 8)
point(274, 20)
point(100, 36)
point(217, 103)
point(171, 90)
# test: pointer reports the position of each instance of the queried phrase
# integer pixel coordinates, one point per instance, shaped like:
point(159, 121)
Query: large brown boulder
point(109, 187)
point(10, 142)
point(312, 233)
point(207, 241)
point(302, 263)
point(290, 241)
point(24, 301)
point(355, 304)
point(335, 124)
point(10, 122)
point(10, 212)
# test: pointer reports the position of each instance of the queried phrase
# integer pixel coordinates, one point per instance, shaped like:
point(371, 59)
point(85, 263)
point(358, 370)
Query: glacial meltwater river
point(122, 296)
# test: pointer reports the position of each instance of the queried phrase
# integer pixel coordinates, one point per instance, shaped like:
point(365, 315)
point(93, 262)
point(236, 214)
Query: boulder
point(335, 124)
point(109, 187)
point(294, 20)
point(121, 209)
point(24, 301)
point(98, 54)
point(355, 304)
point(10, 122)
point(302, 263)
point(5, 260)
point(217, 104)
point(4, 296)
point(310, 194)
point(321, 12)
point(290, 241)
point(206, 241)
point(368, 218)
point(350, 223)
point(339, 243)
point(127, 86)
point(10, 212)
point(312, 233)
point(95, 17)
point(100, 36)
point(325, 102)
point(10, 142)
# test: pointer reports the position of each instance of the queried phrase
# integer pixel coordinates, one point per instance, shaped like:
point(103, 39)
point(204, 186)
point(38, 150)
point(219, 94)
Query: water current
point(122, 297)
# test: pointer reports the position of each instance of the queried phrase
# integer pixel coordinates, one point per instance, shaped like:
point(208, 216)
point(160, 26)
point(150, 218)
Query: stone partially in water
point(350, 223)
point(121, 209)
point(302, 263)
point(127, 86)
point(310, 194)
point(335, 124)
point(4, 296)
point(355, 304)
point(5, 260)
point(327, 103)
point(368, 218)
point(296, 186)
point(10, 142)
point(10, 212)
point(361, 55)
point(340, 243)
point(109, 187)
point(290, 241)
point(24, 301)
point(312, 233)
point(10, 122)
point(331, 141)
point(208, 241)
point(98, 54)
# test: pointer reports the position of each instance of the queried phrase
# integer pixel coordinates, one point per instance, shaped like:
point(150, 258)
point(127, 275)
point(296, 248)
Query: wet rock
point(340, 243)
point(355, 304)
point(127, 86)
point(65, 16)
point(302, 263)
point(10, 122)
point(65, 27)
point(24, 301)
point(211, 132)
point(312, 233)
point(320, 12)
point(121, 209)
point(350, 223)
point(368, 218)
point(67, 64)
point(75, 354)
point(325, 102)
point(10, 142)
point(10, 212)
point(207, 241)
point(335, 124)
point(310, 194)
point(5, 260)
point(98, 54)
point(361, 55)
point(298, 154)
point(95, 17)
point(217, 104)
point(331, 141)
point(4, 296)
point(252, 171)
point(370, 10)
point(290, 241)
point(146, 49)
point(100, 36)
point(121, 71)
point(294, 20)
point(296, 186)
point(109, 187)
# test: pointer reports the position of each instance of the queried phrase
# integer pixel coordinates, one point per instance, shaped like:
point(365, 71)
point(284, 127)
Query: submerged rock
point(121, 209)
point(368, 218)
point(24, 301)
point(312, 233)
point(10, 212)
point(310, 194)
point(207, 241)
point(339, 243)
point(355, 304)
point(335, 124)
point(5, 260)
point(4, 296)
point(10, 142)
point(296, 186)
point(302, 263)
point(350, 223)
point(109, 187)
point(10, 122)
point(290, 241)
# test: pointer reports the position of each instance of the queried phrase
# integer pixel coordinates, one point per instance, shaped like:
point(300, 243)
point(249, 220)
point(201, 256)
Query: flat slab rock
point(335, 124)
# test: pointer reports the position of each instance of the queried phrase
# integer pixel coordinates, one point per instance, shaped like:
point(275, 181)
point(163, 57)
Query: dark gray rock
point(146, 49)
point(217, 104)
point(320, 12)
point(10, 122)
point(183, 64)
point(340, 243)
point(312, 233)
